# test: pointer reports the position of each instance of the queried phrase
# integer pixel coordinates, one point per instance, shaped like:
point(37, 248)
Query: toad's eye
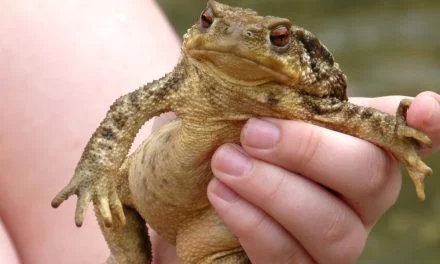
point(207, 17)
point(280, 36)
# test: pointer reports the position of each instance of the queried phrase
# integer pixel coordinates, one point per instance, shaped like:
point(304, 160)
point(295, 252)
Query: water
point(385, 48)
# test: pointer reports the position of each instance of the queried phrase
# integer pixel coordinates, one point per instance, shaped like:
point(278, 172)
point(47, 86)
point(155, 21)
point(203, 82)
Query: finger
point(81, 207)
point(324, 225)
point(104, 210)
point(366, 176)
point(116, 208)
point(63, 195)
point(264, 240)
point(424, 115)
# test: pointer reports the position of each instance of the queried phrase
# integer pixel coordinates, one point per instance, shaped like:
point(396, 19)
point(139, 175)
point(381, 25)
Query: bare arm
point(66, 63)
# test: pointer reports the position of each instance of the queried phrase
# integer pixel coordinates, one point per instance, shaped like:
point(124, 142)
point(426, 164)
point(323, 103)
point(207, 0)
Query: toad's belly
point(166, 195)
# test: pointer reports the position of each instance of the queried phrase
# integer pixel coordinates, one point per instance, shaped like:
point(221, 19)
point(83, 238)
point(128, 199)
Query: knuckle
point(352, 250)
point(273, 193)
point(337, 227)
point(383, 167)
point(308, 146)
point(265, 186)
point(257, 222)
point(296, 255)
point(247, 226)
point(347, 238)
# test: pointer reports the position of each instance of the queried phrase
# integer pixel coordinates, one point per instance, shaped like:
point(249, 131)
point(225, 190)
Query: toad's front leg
point(98, 176)
point(390, 132)
point(206, 240)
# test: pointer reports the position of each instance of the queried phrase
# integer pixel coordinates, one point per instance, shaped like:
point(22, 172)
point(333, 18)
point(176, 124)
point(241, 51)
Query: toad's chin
point(235, 68)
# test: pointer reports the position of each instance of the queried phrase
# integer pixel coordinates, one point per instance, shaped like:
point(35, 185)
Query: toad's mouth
point(239, 69)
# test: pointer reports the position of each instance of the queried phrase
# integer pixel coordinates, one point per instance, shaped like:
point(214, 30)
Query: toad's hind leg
point(206, 240)
point(234, 258)
point(128, 243)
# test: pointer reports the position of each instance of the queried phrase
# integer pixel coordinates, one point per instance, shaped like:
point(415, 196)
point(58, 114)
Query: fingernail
point(222, 191)
point(229, 160)
point(260, 133)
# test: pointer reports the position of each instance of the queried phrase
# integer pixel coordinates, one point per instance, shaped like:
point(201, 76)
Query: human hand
point(315, 194)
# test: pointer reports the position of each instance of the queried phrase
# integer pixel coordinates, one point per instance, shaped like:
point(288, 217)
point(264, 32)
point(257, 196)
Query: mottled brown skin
point(231, 70)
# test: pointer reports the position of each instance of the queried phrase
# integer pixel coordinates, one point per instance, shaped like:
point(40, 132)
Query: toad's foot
point(417, 169)
point(93, 185)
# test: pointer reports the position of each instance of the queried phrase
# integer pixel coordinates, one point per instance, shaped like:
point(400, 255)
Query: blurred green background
point(385, 48)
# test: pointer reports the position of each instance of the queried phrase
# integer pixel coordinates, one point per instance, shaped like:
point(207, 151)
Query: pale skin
point(69, 92)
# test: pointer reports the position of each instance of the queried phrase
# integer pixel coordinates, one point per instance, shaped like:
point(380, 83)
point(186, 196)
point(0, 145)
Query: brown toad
point(235, 65)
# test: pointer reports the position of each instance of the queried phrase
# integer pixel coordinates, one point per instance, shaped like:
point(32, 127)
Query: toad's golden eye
point(207, 17)
point(280, 36)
